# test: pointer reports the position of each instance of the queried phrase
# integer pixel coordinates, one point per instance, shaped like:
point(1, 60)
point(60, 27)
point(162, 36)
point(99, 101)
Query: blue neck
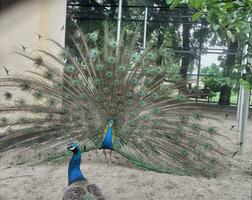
point(74, 172)
point(107, 142)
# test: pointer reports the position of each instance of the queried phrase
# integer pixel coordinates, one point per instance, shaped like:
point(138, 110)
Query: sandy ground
point(121, 181)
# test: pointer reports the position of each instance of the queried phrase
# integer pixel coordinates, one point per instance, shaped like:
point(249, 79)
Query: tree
point(230, 19)
point(186, 40)
point(225, 92)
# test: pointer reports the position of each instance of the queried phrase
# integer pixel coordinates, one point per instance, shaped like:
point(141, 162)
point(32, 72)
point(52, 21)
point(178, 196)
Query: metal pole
point(251, 193)
point(241, 95)
point(239, 108)
point(243, 119)
point(145, 26)
point(119, 19)
point(198, 70)
point(199, 64)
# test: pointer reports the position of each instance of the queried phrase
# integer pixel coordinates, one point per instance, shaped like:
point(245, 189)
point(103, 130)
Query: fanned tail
point(72, 97)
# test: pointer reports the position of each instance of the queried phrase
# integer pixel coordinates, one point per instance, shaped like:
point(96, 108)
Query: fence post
point(243, 111)
point(240, 107)
point(244, 118)
point(145, 26)
point(240, 99)
point(119, 19)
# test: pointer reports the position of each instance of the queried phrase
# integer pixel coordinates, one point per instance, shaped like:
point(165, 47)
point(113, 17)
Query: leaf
point(195, 3)
point(169, 2)
point(237, 29)
point(175, 3)
point(228, 5)
point(215, 27)
point(246, 84)
point(246, 30)
point(196, 16)
point(239, 3)
point(210, 17)
point(230, 35)
point(222, 84)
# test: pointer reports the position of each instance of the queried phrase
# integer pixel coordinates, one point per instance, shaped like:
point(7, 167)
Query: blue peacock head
point(110, 123)
point(73, 147)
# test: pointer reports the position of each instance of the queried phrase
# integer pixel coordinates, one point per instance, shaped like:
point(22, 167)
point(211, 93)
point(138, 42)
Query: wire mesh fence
point(194, 46)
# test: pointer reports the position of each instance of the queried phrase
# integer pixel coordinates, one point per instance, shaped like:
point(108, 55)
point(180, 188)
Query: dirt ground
point(121, 181)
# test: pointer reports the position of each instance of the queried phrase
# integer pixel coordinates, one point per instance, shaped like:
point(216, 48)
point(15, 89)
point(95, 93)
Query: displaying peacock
point(78, 186)
point(108, 95)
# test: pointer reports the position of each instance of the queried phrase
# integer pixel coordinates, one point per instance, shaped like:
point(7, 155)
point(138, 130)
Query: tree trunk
point(186, 47)
point(225, 93)
point(159, 43)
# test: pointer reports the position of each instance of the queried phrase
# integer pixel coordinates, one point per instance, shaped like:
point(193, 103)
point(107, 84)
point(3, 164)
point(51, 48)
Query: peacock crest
point(104, 86)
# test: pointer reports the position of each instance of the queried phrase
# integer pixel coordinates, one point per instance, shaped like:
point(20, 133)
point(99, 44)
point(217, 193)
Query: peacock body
point(79, 188)
point(107, 142)
point(111, 96)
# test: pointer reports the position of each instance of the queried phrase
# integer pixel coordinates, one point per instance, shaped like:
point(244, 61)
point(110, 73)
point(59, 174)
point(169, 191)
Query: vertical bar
point(145, 26)
point(119, 19)
point(239, 106)
point(251, 193)
point(200, 52)
point(244, 119)
point(244, 109)
point(198, 70)
point(237, 103)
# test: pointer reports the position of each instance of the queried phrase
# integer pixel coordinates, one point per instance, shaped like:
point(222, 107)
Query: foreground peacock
point(108, 95)
point(78, 186)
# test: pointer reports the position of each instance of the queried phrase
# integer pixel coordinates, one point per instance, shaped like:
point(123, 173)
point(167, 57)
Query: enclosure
point(207, 44)
point(204, 52)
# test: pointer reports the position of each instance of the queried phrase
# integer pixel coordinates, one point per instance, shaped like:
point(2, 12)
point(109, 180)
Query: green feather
point(156, 126)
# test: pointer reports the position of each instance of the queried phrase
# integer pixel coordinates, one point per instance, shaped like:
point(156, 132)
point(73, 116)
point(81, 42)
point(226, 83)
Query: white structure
point(243, 108)
point(21, 24)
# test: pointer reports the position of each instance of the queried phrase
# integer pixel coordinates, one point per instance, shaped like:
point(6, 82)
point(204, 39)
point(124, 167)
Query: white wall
point(21, 24)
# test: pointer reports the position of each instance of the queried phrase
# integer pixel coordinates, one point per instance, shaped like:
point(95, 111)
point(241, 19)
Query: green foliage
point(214, 78)
point(246, 78)
point(229, 19)
point(196, 16)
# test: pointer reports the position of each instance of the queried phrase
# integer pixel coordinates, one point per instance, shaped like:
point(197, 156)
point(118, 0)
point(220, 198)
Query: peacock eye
point(71, 146)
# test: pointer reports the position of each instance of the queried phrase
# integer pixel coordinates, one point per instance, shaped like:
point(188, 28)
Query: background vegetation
point(186, 28)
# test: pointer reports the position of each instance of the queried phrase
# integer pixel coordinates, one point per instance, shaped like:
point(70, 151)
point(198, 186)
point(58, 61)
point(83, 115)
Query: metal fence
point(150, 17)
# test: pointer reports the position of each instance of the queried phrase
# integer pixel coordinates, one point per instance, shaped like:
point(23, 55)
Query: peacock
point(105, 94)
point(78, 186)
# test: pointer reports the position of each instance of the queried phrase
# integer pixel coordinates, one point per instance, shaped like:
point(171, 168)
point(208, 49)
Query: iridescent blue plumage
point(107, 142)
point(78, 186)
point(74, 172)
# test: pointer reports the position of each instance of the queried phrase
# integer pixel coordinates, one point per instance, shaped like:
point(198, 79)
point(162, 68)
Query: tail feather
point(72, 97)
